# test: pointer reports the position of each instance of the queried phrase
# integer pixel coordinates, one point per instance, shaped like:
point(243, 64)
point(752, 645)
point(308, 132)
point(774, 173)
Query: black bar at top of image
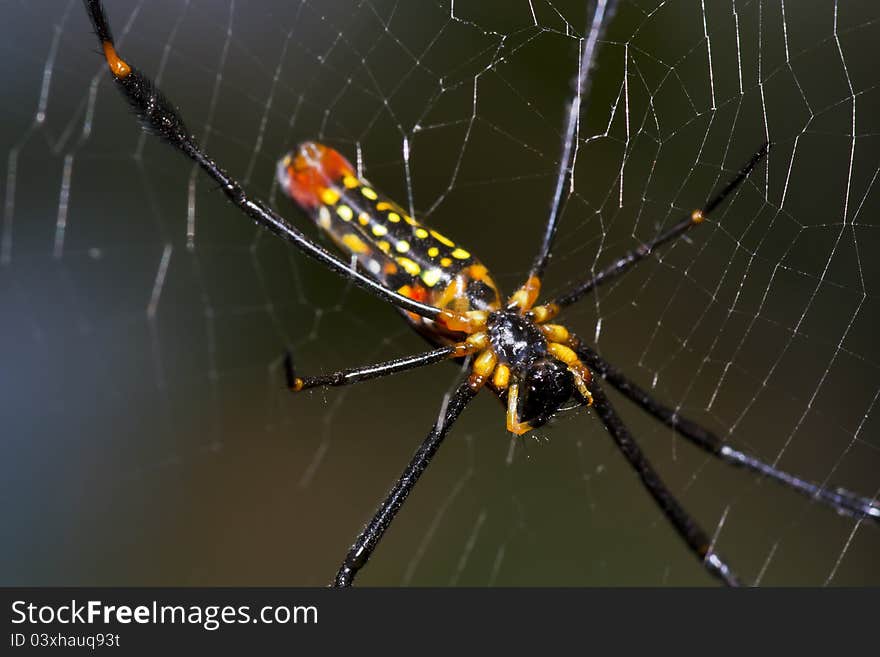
point(456, 621)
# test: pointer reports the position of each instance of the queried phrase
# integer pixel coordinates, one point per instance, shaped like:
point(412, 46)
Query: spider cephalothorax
point(542, 382)
point(533, 362)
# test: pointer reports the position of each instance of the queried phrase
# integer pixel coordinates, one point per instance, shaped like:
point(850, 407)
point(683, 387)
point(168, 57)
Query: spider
point(512, 348)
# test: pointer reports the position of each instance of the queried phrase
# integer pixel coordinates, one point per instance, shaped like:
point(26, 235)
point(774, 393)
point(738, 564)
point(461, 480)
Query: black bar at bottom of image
point(125, 621)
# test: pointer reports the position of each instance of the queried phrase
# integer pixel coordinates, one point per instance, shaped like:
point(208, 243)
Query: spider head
point(543, 388)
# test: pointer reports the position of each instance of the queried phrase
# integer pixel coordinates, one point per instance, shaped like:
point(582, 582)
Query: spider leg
point(697, 540)
point(159, 116)
point(525, 297)
point(603, 10)
point(840, 499)
point(623, 264)
point(365, 372)
point(373, 532)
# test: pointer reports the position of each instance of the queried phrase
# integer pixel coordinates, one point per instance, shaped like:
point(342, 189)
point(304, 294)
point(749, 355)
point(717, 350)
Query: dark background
point(153, 443)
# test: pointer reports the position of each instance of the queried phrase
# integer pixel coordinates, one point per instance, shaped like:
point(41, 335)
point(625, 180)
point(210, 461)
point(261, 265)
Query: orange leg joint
point(582, 374)
point(483, 367)
point(514, 426)
point(469, 322)
point(555, 333)
point(117, 66)
point(545, 313)
point(501, 378)
point(524, 298)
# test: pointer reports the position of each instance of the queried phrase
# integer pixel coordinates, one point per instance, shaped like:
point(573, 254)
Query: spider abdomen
point(392, 247)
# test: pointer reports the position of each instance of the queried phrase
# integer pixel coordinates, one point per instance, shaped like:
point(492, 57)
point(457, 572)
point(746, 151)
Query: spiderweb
point(147, 435)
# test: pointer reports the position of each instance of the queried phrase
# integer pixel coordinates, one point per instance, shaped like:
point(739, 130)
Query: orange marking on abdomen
point(414, 292)
point(312, 169)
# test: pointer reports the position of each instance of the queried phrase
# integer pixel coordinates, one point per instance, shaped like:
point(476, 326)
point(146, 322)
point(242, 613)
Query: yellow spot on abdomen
point(329, 196)
point(324, 220)
point(393, 217)
point(355, 244)
point(446, 261)
point(421, 233)
point(369, 193)
point(442, 238)
point(350, 182)
point(432, 276)
point(363, 218)
point(478, 272)
point(402, 246)
point(379, 230)
point(384, 245)
point(345, 212)
point(410, 267)
point(461, 254)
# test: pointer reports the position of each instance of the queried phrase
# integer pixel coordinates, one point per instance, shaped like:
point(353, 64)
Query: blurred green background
point(146, 436)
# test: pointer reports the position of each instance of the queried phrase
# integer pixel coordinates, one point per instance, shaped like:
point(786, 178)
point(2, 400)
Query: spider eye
point(546, 386)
